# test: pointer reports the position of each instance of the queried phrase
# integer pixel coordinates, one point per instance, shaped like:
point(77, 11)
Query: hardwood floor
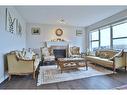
point(98, 82)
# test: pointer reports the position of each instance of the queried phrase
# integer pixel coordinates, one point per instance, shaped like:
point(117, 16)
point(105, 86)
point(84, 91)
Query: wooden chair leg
point(9, 77)
point(114, 69)
point(125, 68)
point(86, 65)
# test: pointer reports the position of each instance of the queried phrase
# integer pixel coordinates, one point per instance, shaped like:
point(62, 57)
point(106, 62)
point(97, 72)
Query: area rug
point(123, 87)
point(50, 74)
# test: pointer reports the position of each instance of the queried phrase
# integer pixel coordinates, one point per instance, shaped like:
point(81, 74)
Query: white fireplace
point(58, 45)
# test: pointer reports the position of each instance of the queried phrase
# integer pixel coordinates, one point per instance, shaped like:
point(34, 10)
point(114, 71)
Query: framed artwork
point(18, 27)
point(35, 31)
point(59, 32)
point(10, 22)
point(79, 32)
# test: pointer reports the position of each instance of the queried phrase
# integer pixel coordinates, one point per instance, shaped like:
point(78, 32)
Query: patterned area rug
point(124, 87)
point(50, 74)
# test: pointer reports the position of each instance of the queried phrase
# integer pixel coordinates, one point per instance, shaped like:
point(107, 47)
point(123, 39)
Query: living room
point(88, 27)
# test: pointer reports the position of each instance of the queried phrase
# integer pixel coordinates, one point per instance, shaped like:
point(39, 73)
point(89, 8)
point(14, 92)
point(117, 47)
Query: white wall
point(9, 41)
point(48, 33)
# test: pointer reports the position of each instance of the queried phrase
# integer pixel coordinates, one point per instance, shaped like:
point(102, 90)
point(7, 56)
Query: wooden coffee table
point(71, 63)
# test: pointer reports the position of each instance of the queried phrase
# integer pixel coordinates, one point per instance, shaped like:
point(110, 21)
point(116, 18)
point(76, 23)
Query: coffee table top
point(71, 59)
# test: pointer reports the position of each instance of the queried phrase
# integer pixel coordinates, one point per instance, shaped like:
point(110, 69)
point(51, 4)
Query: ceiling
point(72, 15)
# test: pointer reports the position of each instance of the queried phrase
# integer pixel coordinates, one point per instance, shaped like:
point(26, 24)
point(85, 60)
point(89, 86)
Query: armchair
point(46, 54)
point(19, 66)
point(75, 52)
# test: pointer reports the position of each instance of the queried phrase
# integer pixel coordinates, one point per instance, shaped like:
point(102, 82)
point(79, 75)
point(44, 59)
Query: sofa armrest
point(119, 62)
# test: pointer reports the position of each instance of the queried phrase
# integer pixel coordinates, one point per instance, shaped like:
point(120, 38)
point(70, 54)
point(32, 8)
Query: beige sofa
point(21, 66)
point(108, 58)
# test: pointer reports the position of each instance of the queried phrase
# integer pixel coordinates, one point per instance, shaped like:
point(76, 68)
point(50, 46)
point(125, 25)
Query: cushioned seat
point(108, 59)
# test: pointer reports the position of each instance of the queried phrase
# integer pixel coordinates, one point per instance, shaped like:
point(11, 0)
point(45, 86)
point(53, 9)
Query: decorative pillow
point(21, 55)
point(28, 55)
point(17, 54)
point(97, 53)
point(119, 54)
point(106, 55)
point(23, 52)
point(102, 55)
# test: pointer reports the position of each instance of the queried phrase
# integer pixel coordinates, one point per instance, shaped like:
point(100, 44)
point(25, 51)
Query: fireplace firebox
point(59, 53)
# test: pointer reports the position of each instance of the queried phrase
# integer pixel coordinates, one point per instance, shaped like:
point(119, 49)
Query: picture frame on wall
point(10, 22)
point(35, 31)
point(79, 33)
point(18, 27)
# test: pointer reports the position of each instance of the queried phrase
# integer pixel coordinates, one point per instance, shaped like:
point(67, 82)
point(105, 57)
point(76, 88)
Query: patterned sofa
point(22, 62)
point(108, 58)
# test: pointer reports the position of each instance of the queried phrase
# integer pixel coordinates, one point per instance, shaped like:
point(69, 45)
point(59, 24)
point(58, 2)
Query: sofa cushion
point(104, 55)
point(101, 61)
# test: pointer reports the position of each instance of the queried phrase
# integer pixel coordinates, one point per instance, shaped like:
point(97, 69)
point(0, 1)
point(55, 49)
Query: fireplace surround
point(59, 51)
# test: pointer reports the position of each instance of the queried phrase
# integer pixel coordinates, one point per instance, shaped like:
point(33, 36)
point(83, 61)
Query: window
point(120, 36)
point(95, 45)
point(120, 43)
point(120, 30)
point(105, 38)
point(114, 36)
point(95, 35)
point(94, 40)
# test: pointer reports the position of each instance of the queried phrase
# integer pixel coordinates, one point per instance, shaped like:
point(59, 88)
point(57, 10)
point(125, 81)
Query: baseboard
point(3, 78)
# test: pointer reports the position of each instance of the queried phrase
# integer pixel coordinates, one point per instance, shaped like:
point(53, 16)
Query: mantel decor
point(59, 32)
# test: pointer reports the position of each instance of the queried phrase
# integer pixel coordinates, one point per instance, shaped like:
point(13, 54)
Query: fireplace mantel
point(53, 45)
point(57, 43)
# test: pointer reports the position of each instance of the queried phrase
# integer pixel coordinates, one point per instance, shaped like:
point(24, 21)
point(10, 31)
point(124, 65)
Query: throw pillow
point(17, 54)
point(21, 55)
point(97, 53)
point(28, 55)
point(102, 55)
point(106, 55)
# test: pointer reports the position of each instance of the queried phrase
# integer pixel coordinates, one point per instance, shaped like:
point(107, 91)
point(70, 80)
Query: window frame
point(111, 34)
point(97, 30)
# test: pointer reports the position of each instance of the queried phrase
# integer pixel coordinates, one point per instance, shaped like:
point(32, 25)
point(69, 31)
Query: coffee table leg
point(86, 65)
point(61, 71)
